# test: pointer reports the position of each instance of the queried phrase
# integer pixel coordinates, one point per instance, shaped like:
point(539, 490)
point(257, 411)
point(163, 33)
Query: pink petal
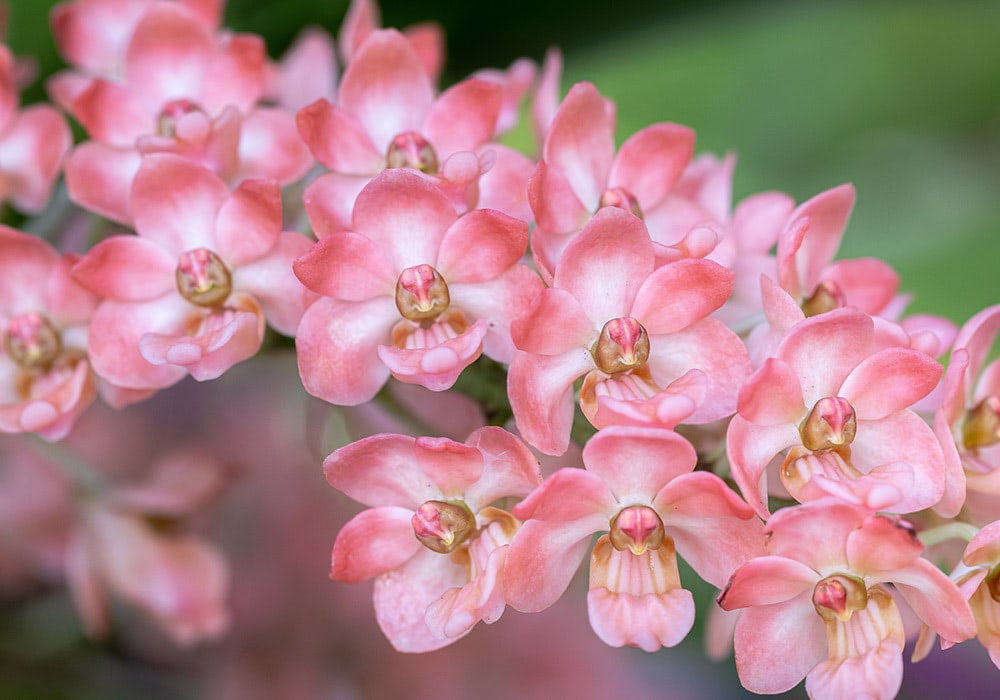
point(308, 70)
point(542, 559)
point(385, 87)
point(935, 600)
point(168, 53)
point(464, 116)
point(270, 147)
point(772, 395)
point(436, 365)
point(350, 332)
point(707, 345)
point(824, 349)
point(750, 449)
point(32, 151)
point(270, 281)
point(867, 283)
point(482, 245)
point(553, 324)
point(580, 143)
point(556, 207)
point(249, 222)
point(777, 645)
point(115, 332)
point(403, 596)
point(338, 140)
point(220, 340)
point(758, 219)
point(381, 470)
point(450, 465)
point(346, 266)
point(405, 215)
point(815, 533)
point(99, 178)
point(605, 266)
point(494, 302)
point(174, 202)
point(767, 580)
point(363, 17)
point(329, 201)
point(540, 389)
point(715, 532)
point(651, 161)
point(236, 74)
point(903, 437)
point(637, 600)
point(112, 114)
point(825, 218)
point(882, 543)
point(568, 495)
point(680, 293)
point(510, 468)
point(636, 463)
point(373, 542)
point(127, 268)
point(890, 380)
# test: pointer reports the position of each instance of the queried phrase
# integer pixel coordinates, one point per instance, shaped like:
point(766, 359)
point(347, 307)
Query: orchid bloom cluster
point(684, 377)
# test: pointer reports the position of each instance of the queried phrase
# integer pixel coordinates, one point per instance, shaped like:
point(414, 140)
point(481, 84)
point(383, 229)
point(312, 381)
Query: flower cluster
point(684, 376)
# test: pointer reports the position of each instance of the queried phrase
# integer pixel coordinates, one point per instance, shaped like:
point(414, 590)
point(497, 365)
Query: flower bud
point(172, 112)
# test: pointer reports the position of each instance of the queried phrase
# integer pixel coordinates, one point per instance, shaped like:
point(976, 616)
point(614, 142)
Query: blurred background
point(900, 98)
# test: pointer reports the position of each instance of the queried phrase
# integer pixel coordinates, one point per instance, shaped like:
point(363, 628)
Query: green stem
point(948, 531)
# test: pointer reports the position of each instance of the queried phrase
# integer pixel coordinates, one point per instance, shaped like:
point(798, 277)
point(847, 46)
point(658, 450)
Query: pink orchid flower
point(388, 116)
point(639, 485)
point(33, 142)
point(820, 605)
point(183, 89)
point(978, 577)
point(192, 292)
point(832, 406)
point(968, 420)
point(413, 290)
point(45, 378)
point(433, 539)
point(580, 172)
point(632, 331)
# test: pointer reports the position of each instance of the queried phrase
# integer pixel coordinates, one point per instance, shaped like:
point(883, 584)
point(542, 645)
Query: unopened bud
point(837, 597)
point(166, 121)
point(636, 528)
point(442, 526)
point(421, 293)
point(32, 341)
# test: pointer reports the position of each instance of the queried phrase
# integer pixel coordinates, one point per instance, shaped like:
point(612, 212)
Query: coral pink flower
point(639, 485)
point(177, 578)
point(364, 17)
point(631, 330)
point(181, 89)
point(190, 293)
point(820, 605)
point(93, 34)
point(968, 420)
point(45, 379)
point(833, 405)
point(580, 172)
point(413, 290)
point(979, 579)
point(388, 115)
point(33, 142)
point(433, 538)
